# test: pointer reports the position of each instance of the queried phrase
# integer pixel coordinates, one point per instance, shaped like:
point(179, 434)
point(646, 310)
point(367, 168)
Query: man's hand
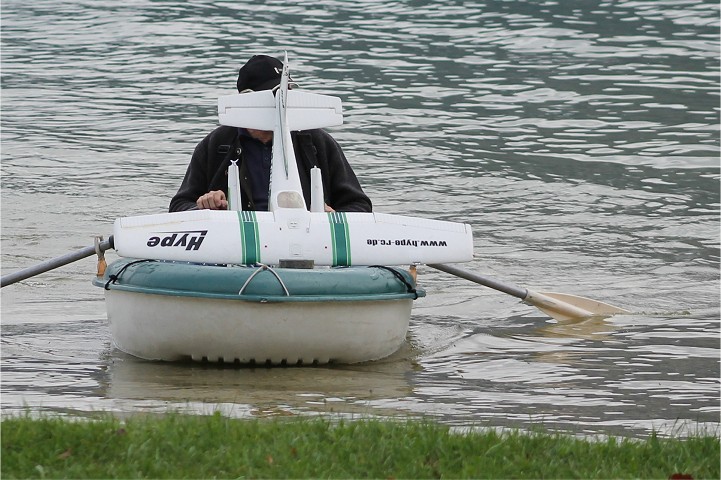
point(214, 200)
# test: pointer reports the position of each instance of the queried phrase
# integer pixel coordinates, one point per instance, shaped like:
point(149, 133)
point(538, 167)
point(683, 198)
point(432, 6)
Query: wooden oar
point(56, 262)
point(560, 306)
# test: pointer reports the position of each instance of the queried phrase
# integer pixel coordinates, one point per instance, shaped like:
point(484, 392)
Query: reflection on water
point(580, 142)
point(593, 328)
point(260, 391)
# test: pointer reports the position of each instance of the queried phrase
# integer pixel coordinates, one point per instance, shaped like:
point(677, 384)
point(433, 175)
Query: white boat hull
point(162, 327)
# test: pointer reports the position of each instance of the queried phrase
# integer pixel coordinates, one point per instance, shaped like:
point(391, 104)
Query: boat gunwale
point(262, 298)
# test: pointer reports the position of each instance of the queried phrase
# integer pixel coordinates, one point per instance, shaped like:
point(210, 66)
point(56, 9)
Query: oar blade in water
point(563, 306)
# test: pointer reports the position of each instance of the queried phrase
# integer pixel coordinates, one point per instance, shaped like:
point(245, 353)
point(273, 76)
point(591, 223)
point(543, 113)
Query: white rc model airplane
point(288, 231)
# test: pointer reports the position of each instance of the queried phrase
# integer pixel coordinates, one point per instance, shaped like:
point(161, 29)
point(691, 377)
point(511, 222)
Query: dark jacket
point(208, 171)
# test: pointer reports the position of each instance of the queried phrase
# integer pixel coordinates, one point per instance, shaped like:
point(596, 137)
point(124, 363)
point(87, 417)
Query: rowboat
point(161, 310)
point(215, 285)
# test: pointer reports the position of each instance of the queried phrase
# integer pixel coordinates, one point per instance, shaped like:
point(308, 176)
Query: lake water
point(580, 140)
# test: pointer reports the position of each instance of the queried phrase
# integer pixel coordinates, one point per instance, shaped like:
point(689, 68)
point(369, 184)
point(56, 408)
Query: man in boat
point(206, 180)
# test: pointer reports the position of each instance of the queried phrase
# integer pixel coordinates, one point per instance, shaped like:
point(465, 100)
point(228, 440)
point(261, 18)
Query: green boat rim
point(259, 283)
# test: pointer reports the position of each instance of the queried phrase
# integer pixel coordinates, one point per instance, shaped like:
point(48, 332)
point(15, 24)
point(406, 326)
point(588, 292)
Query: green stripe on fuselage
point(340, 238)
point(249, 237)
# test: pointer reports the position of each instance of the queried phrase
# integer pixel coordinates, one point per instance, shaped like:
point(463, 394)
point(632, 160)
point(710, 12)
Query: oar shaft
point(56, 262)
point(489, 282)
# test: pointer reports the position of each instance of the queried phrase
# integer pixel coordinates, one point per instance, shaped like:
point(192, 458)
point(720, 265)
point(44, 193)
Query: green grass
point(183, 446)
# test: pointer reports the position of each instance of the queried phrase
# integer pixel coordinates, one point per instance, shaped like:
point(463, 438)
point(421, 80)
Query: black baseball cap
point(261, 72)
